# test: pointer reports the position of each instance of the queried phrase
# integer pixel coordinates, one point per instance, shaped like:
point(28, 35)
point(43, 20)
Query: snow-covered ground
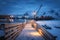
point(54, 24)
point(29, 33)
point(2, 33)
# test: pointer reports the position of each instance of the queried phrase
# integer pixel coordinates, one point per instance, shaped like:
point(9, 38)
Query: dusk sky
point(29, 19)
point(17, 7)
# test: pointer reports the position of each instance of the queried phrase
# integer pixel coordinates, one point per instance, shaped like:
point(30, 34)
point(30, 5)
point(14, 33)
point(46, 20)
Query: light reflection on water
point(19, 20)
point(14, 21)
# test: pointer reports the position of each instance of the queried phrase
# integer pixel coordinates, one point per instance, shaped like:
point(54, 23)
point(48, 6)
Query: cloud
point(16, 6)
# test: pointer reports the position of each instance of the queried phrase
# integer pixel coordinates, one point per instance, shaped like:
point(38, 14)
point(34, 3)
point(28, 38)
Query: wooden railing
point(12, 30)
point(46, 35)
point(43, 32)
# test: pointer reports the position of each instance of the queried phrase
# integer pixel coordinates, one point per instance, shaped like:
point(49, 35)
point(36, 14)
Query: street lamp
point(26, 16)
point(34, 14)
point(11, 18)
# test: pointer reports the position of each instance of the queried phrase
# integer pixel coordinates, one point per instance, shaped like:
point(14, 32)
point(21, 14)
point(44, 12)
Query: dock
point(29, 33)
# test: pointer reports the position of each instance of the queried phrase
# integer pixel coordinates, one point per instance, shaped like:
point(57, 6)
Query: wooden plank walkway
point(29, 33)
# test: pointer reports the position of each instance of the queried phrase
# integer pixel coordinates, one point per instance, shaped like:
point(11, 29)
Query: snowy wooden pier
point(26, 31)
point(33, 32)
point(29, 33)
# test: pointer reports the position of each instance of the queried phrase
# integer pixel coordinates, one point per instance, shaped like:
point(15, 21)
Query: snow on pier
point(29, 33)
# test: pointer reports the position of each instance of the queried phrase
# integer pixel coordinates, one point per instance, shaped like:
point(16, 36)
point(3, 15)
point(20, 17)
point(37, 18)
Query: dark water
point(14, 21)
point(19, 20)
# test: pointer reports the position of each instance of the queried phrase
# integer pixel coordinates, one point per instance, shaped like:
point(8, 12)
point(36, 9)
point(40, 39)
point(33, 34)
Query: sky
point(19, 7)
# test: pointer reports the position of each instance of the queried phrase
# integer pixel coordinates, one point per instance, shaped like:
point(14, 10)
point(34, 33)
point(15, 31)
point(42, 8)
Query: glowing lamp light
point(40, 31)
point(11, 20)
point(11, 16)
point(35, 34)
point(34, 13)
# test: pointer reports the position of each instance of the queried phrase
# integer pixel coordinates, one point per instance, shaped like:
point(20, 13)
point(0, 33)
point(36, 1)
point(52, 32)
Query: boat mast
point(35, 13)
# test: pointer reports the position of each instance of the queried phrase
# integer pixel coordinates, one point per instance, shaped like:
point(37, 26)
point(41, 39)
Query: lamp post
point(11, 18)
point(34, 14)
point(26, 16)
point(25, 19)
